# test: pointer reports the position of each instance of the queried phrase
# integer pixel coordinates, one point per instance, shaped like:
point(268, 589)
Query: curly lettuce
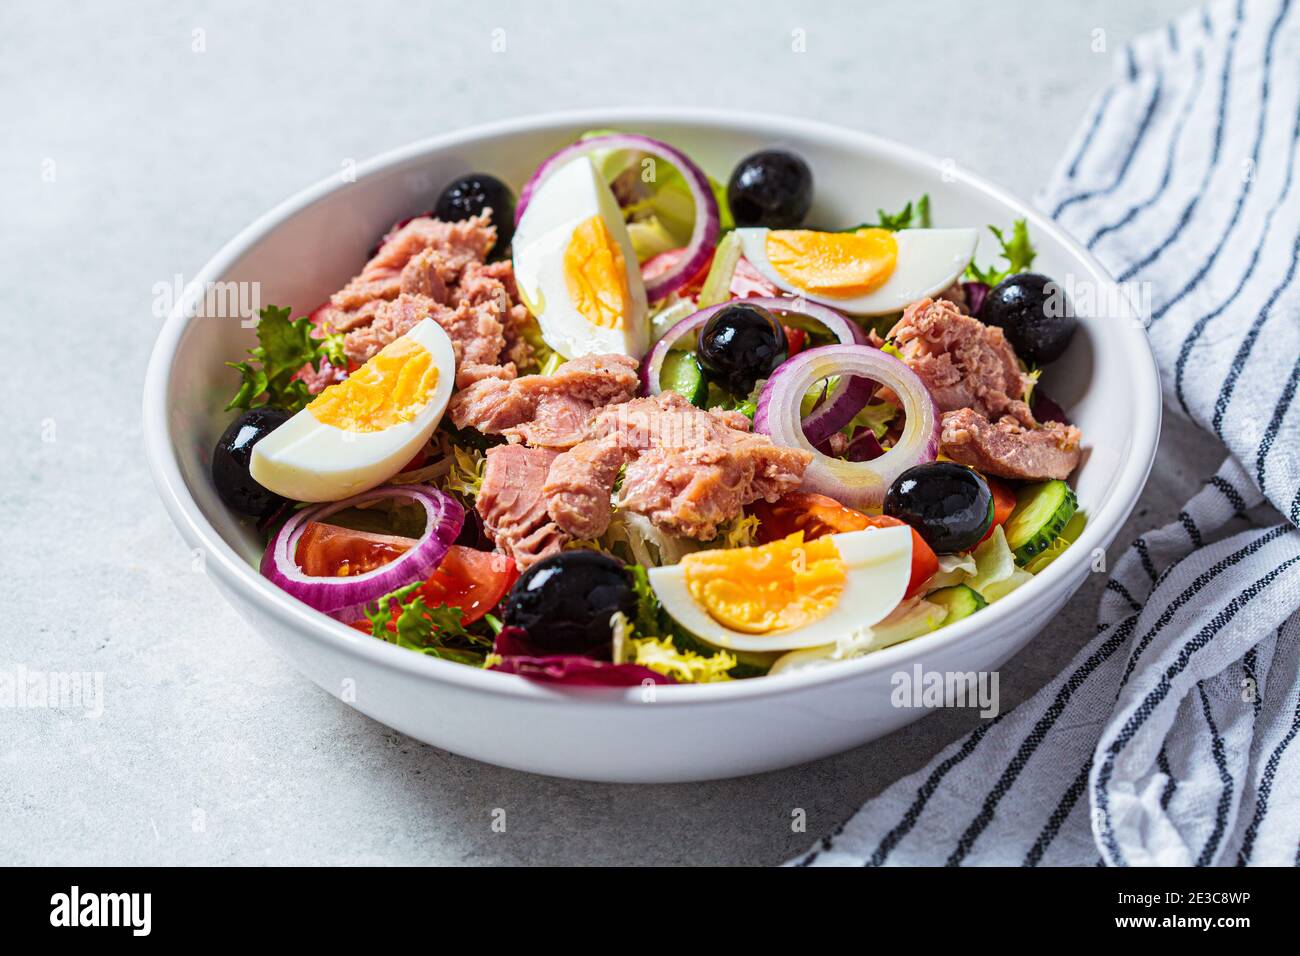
point(1016, 249)
point(284, 346)
point(685, 667)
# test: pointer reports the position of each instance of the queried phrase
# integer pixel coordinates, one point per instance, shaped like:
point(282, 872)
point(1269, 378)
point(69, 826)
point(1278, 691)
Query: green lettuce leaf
point(284, 346)
point(1017, 250)
point(909, 217)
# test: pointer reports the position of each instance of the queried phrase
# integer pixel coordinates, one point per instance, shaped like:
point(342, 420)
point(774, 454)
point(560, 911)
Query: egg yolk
point(772, 587)
point(595, 273)
point(833, 263)
point(389, 389)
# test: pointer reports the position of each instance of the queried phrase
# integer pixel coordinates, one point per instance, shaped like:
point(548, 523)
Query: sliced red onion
point(1046, 410)
point(704, 234)
point(843, 328)
point(342, 597)
point(518, 657)
point(865, 446)
point(858, 484)
point(976, 293)
point(838, 408)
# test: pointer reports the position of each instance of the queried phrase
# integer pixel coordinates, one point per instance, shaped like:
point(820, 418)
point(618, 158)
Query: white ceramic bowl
point(311, 244)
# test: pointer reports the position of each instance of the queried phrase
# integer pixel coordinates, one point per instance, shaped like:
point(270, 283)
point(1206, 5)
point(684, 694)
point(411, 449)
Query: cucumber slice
point(1073, 528)
point(1042, 511)
point(961, 600)
point(681, 373)
point(717, 284)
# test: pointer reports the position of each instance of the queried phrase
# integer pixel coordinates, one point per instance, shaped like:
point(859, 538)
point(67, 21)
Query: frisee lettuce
point(464, 475)
point(909, 217)
point(692, 655)
point(685, 667)
point(284, 346)
point(1017, 250)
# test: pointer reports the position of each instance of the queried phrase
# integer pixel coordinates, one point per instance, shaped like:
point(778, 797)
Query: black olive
point(740, 344)
point(1035, 315)
point(232, 455)
point(565, 602)
point(470, 195)
point(771, 188)
point(949, 505)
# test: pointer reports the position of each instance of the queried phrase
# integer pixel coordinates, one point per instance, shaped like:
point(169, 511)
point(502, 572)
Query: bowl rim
point(1102, 526)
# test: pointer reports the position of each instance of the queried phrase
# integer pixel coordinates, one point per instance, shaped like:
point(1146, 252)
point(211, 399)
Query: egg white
point(929, 260)
point(572, 194)
point(877, 564)
point(306, 460)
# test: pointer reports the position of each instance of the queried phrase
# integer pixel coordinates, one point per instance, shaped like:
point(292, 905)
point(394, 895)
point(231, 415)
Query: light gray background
point(159, 154)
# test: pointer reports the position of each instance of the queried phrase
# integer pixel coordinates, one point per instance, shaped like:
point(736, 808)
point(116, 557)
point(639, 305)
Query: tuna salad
point(631, 424)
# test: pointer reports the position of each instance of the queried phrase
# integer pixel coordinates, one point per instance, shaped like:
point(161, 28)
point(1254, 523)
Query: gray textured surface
point(210, 749)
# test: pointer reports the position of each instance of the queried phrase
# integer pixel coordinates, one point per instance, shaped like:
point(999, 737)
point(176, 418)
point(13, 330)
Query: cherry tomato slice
point(1004, 502)
point(329, 551)
point(794, 340)
point(474, 581)
point(816, 515)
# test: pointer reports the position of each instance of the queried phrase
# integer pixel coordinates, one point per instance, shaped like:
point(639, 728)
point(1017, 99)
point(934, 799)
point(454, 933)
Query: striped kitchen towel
point(1171, 738)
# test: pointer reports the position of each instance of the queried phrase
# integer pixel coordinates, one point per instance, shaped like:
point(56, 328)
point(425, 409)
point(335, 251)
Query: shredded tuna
point(546, 410)
point(436, 252)
point(963, 362)
point(974, 376)
point(495, 282)
point(434, 269)
point(475, 332)
point(687, 470)
point(1007, 448)
point(426, 275)
point(578, 488)
point(513, 507)
point(317, 379)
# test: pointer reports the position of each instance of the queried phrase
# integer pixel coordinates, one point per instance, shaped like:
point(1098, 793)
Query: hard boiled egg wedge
point(866, 272)
point(790, 593)
point(360, 432)
point(576, 269)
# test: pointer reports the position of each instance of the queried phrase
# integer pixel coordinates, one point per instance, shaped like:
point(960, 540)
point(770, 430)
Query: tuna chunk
point(963, 362)
point(692, 491)
point(513, 507)
point(1007, 448)
point(434, 269)
point(426, 274)
point(546, 410)
point(495, 282)
point(688, 470)
point(477, 336)
point(974, 376)
point(580, 485)
point(436, 253)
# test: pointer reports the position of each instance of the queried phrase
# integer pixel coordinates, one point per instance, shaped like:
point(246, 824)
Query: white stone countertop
point(127, 156)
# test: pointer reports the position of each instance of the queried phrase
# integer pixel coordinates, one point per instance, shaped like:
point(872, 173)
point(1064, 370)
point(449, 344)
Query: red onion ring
point(865, 446)
point(858, 484)
point(838, 408)
point(704, 234)
point(343, 596)
point(843, 328)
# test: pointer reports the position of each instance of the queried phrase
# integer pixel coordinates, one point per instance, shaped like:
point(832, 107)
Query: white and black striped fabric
point(1170, 739)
